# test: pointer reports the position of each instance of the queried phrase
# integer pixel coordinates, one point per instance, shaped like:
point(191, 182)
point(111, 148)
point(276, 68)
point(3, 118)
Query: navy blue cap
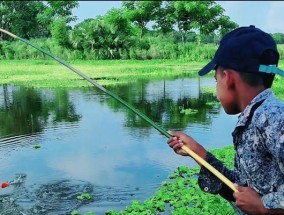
point(246, 49)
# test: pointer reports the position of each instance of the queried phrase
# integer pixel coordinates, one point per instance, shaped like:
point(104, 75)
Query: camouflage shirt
point(259, 159)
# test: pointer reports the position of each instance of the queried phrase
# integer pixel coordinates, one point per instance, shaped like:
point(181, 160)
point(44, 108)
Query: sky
point(266, 15)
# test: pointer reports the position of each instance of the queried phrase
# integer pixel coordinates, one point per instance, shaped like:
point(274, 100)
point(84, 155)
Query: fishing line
point(142, 115)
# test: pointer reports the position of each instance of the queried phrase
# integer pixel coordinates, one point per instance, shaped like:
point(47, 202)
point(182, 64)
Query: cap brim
point(211, 65)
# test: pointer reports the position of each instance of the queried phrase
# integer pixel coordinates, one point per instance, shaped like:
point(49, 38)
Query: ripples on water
point(60, 197)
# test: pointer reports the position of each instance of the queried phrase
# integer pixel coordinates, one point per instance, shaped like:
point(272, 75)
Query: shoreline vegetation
point(51, 74)
point(179, 194)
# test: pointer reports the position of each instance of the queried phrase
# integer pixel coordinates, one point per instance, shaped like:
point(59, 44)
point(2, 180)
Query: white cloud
point(275, 16)
point(266, 15)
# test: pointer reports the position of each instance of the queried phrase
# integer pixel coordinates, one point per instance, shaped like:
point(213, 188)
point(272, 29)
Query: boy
point(245, 64)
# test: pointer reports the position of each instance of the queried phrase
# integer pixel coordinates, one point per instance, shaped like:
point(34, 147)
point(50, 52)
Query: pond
point(61, 143)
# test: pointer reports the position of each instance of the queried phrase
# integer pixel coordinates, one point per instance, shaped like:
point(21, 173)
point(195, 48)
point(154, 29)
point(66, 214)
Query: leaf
point(85, 196)
point(36, 146)
point(75, 212)
point(90, 213)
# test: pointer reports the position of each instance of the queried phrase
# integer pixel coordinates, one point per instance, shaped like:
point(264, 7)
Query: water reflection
point(85, 135)
point(162, 101)
point(28, 111)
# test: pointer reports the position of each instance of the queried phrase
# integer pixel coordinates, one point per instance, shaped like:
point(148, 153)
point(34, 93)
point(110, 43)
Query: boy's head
point(249, 51)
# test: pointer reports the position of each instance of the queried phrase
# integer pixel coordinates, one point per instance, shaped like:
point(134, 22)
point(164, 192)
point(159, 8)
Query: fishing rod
point(196, 157)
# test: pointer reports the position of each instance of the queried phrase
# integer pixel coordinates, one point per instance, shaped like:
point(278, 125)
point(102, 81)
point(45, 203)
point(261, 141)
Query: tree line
point(137, 30)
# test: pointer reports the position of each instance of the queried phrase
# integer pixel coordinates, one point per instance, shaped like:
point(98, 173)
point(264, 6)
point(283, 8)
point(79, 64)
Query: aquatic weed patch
point(181, 194)
point(188, 111)
point(85, 196)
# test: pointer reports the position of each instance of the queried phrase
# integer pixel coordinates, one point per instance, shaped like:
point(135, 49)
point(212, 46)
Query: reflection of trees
point(26, 111)
point(163, 109)
point(21, 112)
point(61, 108)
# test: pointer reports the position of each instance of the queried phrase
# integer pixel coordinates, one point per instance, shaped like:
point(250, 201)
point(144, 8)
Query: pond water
point(62, 143)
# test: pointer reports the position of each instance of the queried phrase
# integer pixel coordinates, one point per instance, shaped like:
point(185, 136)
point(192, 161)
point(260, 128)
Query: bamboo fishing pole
point(143, 116)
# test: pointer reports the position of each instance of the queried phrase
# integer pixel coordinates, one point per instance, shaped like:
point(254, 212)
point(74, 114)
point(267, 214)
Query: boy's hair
point(257, 79)
point(260, 78)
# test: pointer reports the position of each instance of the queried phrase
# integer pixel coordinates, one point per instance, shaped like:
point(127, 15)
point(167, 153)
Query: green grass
point(50, 74)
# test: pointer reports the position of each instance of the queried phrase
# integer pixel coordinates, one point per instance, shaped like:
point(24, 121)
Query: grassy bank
point(51, 74)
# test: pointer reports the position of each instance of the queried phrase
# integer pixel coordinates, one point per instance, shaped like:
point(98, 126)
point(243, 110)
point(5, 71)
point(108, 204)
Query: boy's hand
point(180, 139)
point(249, 201)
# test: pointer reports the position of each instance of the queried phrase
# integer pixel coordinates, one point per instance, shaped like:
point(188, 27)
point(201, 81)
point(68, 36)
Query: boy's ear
point(230, 79)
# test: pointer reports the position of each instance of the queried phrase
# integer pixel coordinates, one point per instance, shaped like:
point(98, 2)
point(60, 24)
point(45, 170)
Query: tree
point(225, 25)
point(57, 9)
point(53, 10)
point(29, 19)
point(278, 37)
point(92, 36)
point(141, 13)
point(60, 32)
point(164, 20)
point(105, 37)
point(204, 17)
point(120, 28)
point(85, 34)
point(19, 17)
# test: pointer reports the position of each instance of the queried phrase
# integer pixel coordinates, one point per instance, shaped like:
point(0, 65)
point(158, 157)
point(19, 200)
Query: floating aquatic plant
point(76, 212)
point(189, 111)
point(36, 146)
point(85, 196)
point(181, 194)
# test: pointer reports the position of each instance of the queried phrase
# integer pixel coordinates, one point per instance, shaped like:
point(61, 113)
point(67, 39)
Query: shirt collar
point(243, 117)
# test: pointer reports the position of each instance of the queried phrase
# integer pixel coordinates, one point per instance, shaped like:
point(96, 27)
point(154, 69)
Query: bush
point(150, 47)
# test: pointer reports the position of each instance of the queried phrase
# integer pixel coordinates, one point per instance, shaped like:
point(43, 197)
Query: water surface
point(91, 143)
